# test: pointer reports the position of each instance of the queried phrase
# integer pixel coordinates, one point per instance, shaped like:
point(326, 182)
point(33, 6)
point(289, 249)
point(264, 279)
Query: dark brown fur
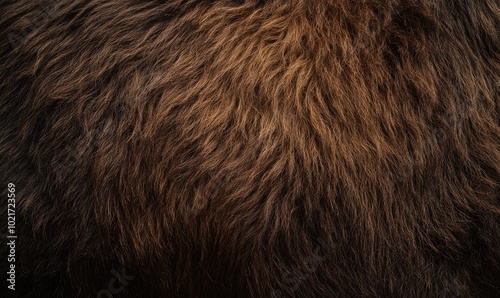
point(253, 148)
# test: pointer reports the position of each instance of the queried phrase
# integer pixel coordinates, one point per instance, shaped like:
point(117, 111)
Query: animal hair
point(252, 148)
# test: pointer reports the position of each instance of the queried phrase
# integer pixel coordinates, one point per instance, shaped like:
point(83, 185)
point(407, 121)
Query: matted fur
point(326, 148)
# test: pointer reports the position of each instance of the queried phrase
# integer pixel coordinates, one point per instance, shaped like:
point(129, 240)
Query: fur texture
point(294, 148)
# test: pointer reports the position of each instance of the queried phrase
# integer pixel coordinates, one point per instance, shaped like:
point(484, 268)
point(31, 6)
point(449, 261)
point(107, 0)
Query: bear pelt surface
point(327, 148)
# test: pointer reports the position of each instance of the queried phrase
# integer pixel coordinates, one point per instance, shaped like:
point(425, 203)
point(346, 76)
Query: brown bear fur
point(327, 148)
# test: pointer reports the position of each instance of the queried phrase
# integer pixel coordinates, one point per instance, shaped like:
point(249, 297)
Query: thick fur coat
point(280, 148)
